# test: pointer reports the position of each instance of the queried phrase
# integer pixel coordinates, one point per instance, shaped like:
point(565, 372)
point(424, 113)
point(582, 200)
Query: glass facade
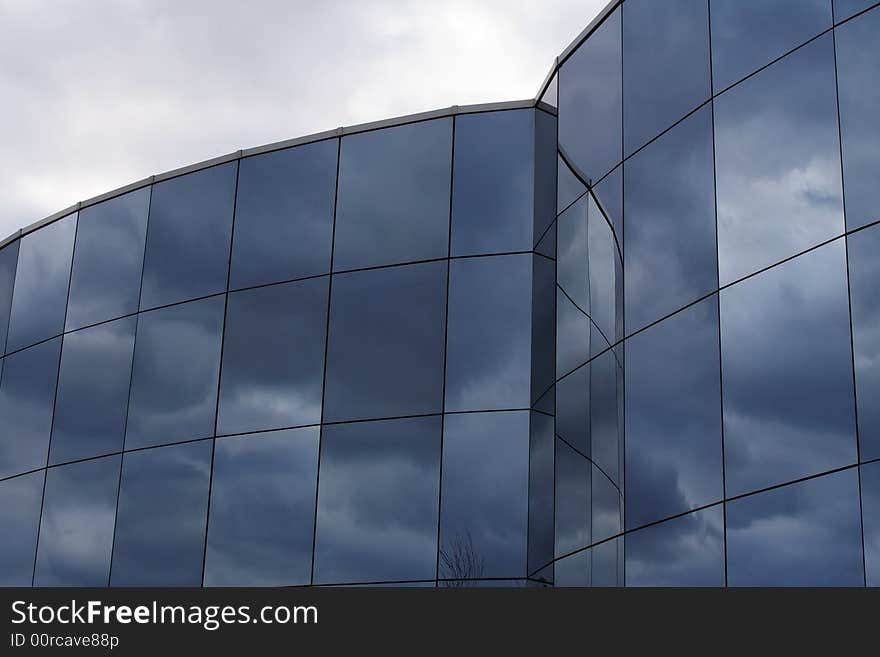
point(622, 335)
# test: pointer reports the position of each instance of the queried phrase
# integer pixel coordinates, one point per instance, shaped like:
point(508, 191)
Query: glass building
point(626, 333)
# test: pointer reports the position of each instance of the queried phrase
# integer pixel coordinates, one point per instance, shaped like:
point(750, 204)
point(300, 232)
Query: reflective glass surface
point(187, 252)
point(8, 262)
point(673, 416)
point(493, 183)
point(858, 60)
point(787, 368)
point(484, 505)
point(670, 253)
point(590, 101)
point(544, 172)
point(685, 551)
point(870, 480)
point(843, 9)
point(605, 405)
point(385, 355)
point(748, 35)
point(489, 337)
point(107, 260)
point(568, 187)
point(76, 529)
point(273, 357)
point(805, 534)
point(541, 491)
point(573, 409)
point(774, 202)
point(573, 495)
point(606, 293)
point(378, 498)
point(93, 385)
point(263, 509)
point(174, 374)
point(41, 281)
point(20, 500)
point(160, 519)
point(572, 334)
point(27, 393)
point(284, 215)
point(864, 284)
point(607, 507)
point(665, 65)
point(393, 198)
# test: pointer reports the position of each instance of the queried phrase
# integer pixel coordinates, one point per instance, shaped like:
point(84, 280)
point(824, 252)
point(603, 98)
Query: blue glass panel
point(393, 199)
point(160, 520)
point(870, 480)
point(843, 9)
point(573, 500)
point(187, 252)
point(568, 187)
point(8, 262)
point(573, 409)
point(606, 289)
point(76, 528)
point(607, 507)
point(108, 259)
point(605, 405)
point(263, 509)
point(541, 493)
point(545, 173)
point(20, 500)
point(284, 215)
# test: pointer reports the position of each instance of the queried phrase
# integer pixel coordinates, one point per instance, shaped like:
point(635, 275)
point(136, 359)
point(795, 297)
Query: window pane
point(748, 35)
point(858, 60)
point(273, 357)
point(92, 397)
point(27, 394)
point(41, 280)
point(572, 335)
point(606, 374)
point(174, 377)
point(545, 173)
point(263, 509)
point(871, 517)
point(806, 534)
point(20, 500)
point(160, 521)
point(607, 507)
point(284, 214)
point(673, 416)
point(774, 202)
point(8, 262)
point(574, 570)
point(493, 188)
point(843, 9)
point(573, 255)
point(394, 195)
point(569, 188)
point(187, 253)
point(864, 282)
point(670, 252)
point(541, 493)
point(609, 196)
point(787, 367)
point(76, 530)
point(573, 495)
point(489, 342)
point(606, 290)
point(573, 409)
point(108, 259)
point(484, 507)
point(378, 499)
point(686, 551)
point(606, 563)
point(385, 356)
point(590, 101)
point(665, 65)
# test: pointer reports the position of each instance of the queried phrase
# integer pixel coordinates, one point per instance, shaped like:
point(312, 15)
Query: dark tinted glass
point(378, 497)
point(493, 186)
point(263, 509)
point(806, 534)
point(76, 529)
point(590, 101)
point(545, 173)
point(606, 293)
point(484, 507)
point(543, 347)
point(843, 9)
point(864, 282)
point(665, 64)
point(606, 375)
point(748, 35)
point(573, 494)
point(92, 397)
point(609, 199)
point(573, 256)
point(174, 376)
point(393, 200)
point(858, 60)
point(572, 334)
point(27, 393)
point(573, 409)
point(160, 520)
point(273, 357)
point(284, 215)
point(686, 551)
point(568, 187)
point(573, 570)
point(871, 518)
point(20, 500)
point(541, 493)
point(607, 507)
point(489, 339)
point(8, 262)
point(41, 281)
point(670, 253)
point(187, 253)
point(776, 201)
point(787, 367)
point(385, 356)
point(107, 260)
point(673, 416)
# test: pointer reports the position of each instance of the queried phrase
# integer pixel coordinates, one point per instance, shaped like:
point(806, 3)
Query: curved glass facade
point(624, 334)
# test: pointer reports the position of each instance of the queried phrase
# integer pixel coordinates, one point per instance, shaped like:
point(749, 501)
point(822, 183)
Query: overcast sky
point(100, 93)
